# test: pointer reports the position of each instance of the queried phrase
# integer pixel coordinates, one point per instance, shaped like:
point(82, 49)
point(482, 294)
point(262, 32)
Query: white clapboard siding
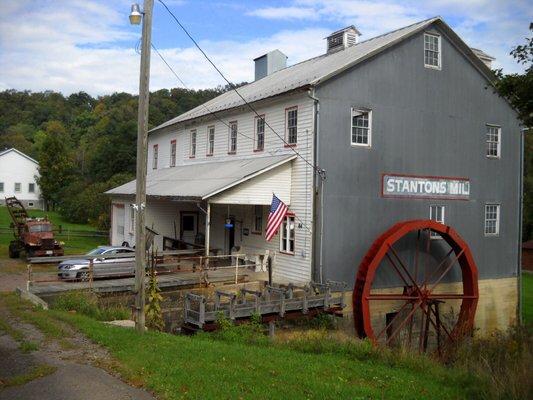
point(259, 190)
point(297, 267)
point(17, 168)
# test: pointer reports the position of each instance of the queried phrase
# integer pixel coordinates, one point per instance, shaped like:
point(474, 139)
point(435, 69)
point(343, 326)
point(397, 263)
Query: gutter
point(520, 214)
point(317, 273)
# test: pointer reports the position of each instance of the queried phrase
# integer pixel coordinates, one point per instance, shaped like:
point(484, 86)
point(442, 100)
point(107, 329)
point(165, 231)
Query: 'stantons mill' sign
point(425, 187)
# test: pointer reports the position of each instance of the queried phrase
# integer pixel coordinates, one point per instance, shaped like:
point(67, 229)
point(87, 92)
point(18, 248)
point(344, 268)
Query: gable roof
point(18, 152)
point(319, 69)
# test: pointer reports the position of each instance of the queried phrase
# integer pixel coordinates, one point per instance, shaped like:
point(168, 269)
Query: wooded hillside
point(84, 145)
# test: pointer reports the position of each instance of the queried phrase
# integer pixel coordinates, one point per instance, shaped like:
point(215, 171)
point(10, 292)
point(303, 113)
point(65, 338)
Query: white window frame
point(155, 156)
point(356, 110)
point(232, 137)
point(173, 151)
point(192, 143)
point(31, 187)
point(496, 220)
point(432, 211)
point(439, 50)
point(288, 128)
point(210, 140)
point(257, 133)
point(288, 226)
point(498, 142)
point(19, 185)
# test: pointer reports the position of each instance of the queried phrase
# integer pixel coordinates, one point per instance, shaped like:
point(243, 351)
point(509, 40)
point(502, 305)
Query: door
point(189, 226)
point(118, 222)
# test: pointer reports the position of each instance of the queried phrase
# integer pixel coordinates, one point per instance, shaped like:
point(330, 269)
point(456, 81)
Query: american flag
point(278, 209)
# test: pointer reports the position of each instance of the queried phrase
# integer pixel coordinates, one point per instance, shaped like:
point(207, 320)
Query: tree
point(55, 166)
point(518, 89)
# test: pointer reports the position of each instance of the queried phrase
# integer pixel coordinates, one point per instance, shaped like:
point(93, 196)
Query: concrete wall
point(424, 122)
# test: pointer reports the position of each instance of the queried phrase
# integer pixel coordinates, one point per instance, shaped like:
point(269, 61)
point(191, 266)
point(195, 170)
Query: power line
point(212, 113)
point(185, 86)
point(319, 171)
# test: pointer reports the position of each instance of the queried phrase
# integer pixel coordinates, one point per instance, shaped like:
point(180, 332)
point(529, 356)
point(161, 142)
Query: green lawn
point(527, 298)
point(73, 244)
point(199, 367)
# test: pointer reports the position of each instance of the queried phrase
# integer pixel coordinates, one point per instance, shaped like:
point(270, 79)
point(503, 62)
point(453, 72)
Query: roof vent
point(343, 38)
point(269, 63)
point(483, 57)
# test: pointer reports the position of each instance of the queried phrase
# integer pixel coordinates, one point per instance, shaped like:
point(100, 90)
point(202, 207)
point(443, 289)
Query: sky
point(89, 45)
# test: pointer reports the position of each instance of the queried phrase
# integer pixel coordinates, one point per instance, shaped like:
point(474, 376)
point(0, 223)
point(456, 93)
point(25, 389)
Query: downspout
point(520, 206)
point(317, 180)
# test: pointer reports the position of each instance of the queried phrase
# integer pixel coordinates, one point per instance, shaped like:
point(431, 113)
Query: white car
point(102, 267)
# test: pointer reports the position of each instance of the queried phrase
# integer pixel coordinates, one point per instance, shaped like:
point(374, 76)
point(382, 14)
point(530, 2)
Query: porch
point(209, 209)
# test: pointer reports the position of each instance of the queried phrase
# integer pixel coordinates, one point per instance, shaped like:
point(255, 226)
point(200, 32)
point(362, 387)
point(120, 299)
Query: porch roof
point(200, 181)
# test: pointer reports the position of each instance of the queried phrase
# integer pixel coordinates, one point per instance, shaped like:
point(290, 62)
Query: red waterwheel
point(416, 287)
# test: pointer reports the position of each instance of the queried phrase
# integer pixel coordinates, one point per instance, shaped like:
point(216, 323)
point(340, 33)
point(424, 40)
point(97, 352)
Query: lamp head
point(135, 15)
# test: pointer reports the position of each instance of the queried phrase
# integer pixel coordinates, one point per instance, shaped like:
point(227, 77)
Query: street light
point(142, 149)
point(135, 15)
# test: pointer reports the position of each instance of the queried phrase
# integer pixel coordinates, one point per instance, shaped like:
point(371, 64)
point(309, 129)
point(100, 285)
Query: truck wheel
point(13, 250)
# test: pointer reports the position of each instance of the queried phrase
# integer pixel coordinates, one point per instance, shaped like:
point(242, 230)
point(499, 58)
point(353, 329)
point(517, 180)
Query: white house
point(18, 173)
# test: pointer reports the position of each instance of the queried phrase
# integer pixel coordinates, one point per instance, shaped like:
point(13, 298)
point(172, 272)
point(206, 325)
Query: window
point(192, 149)
point(287, 235)
point(1, 186)
point(259, 133)
point(431, 51)
point(492, 219)
point(436, 213)
point(156, 156)
point(173, 153)
point(30, 204)
point(17, 186)
point(232, 145)
point(258, 219)
point(361, 127)
point(291, 129)
point(132, 218)
point(210, 140)
point(493, 141)
point(31, 187)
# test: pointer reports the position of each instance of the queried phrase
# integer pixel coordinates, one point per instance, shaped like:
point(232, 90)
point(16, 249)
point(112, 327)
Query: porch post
point(207, 228)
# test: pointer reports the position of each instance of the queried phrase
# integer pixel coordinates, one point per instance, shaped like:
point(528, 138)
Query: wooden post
point(269, 267)
point(236, 269)
point(30, 278)
point(207, 233)
point(142, 150)
point(271, 329)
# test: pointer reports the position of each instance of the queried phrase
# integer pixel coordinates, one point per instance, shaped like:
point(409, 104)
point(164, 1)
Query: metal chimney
point(269, 63)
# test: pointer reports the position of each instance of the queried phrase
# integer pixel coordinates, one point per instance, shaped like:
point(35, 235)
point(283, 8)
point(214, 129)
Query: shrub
point(87, 304)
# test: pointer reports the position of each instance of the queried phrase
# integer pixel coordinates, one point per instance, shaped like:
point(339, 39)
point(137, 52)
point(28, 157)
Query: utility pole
point(142, 150)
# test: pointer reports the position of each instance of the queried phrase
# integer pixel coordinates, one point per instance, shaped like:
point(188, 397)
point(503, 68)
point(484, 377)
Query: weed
point(14, 333)
point(37, 372)
point(28, 347)
point(87, 304)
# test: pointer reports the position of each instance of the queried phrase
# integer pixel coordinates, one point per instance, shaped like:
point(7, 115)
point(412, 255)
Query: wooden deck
point(167, 281)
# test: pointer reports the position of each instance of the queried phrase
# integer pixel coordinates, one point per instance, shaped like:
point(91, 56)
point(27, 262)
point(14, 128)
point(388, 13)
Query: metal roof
point(200, 181)
point(319, 69)
point(19, 152)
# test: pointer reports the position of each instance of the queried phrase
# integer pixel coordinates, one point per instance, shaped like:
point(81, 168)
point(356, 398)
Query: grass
point(28, 347)
point(24, 346)
point(73, 244)
point(203, 367)
point(527, 298)
point(87, 304)
point(38, 371)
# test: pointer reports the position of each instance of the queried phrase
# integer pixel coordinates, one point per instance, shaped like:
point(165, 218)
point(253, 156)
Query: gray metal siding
point(425, 122)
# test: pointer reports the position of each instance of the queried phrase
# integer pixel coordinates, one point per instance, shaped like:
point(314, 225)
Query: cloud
point(285, 13)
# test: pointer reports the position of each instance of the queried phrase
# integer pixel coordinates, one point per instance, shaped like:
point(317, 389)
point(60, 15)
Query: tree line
point(85, 145)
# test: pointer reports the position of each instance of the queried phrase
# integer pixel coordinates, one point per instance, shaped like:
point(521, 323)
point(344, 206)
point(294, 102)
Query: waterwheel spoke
point(402, 324)
point(441, 324)
point(446, 270)
point(404, 268)
point(428, 316)
point(426, 280)
point(450, 296)
point(392, 322)
point(392, 296)
point(397, 270)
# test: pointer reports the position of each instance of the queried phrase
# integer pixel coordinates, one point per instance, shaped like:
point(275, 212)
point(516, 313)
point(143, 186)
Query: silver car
point(102, 267)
